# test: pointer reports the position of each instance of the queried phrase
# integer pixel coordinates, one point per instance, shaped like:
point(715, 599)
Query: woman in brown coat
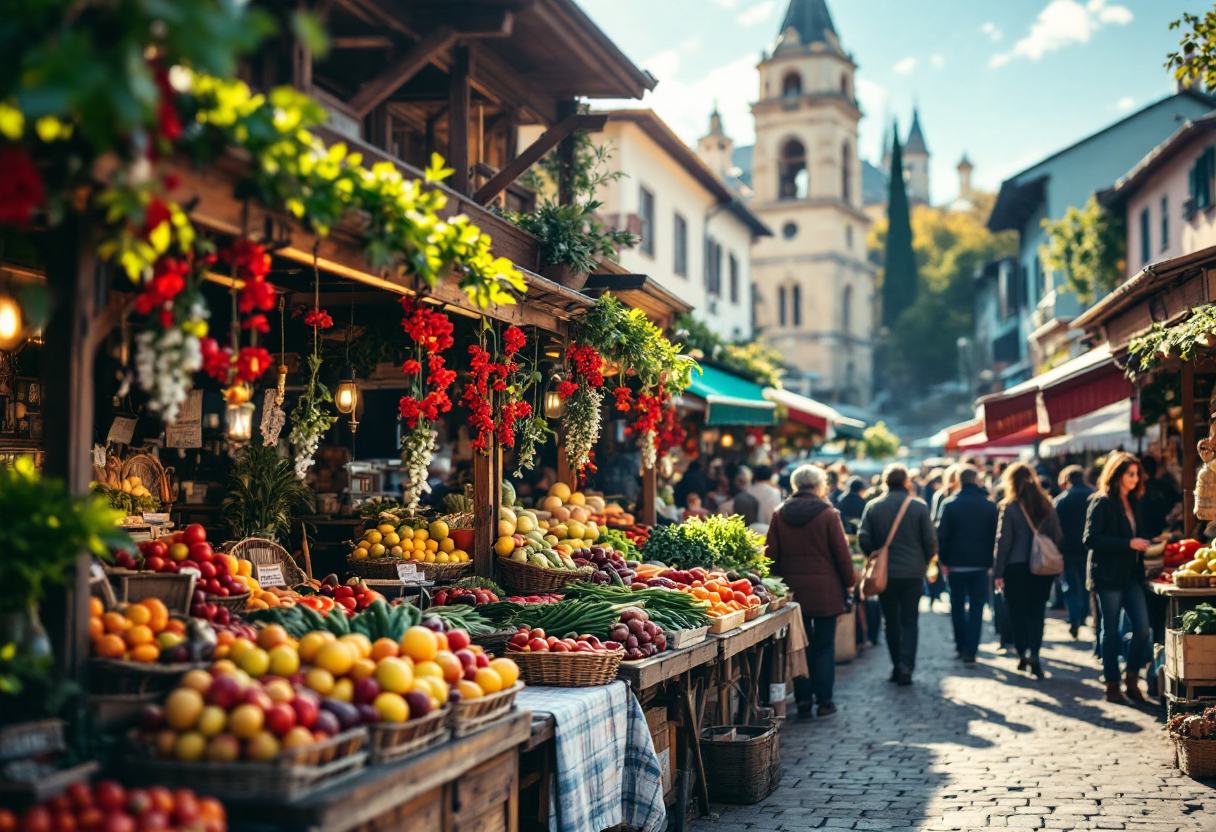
point(807, 544)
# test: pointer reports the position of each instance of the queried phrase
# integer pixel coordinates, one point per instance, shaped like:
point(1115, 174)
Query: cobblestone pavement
point(977, 747)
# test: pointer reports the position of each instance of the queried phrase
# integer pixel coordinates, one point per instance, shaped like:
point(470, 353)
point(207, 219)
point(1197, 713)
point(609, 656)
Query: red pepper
point(1190, 547)
point(743, 585)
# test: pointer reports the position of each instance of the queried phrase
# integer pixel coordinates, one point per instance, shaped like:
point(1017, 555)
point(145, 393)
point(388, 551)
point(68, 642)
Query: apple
point(179, 552)
point(483, 660)
point(307, 707)
point(366, 690)
point(470, 674)
point(458, 640)
point(109, 796)
point(259, 697)
point(154, 821)
point(280, 718)
point(168, 566)
point(201, 552)
point(194, 533)
point(154, 563)
point(119, 822)
point(207, 568)
point(538, 644)
point(224, 691)
point(467, 658)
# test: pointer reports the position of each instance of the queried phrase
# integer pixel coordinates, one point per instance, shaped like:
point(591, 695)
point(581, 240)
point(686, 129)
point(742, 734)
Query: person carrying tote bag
point(897, 535)
point(1027, 559)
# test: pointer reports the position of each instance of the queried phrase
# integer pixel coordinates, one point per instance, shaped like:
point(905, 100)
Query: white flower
point(417, 450)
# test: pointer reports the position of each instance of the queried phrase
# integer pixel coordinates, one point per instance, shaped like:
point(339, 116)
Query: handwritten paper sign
point(271, 575)
point(121, 431)
point(187, 431)
point(409, 574)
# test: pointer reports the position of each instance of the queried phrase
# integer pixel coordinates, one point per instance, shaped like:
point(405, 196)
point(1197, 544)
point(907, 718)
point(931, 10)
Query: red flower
point(251, 362)
point(168, 281)
point(257, 294)
point(622, 399)
point(408, 408)
point(21, 188)
point(217, 362)
point(257, 322)
point(318, 318)
point(251, 260)
point(168, 123)
point(566, 389)
point(157, 213)
point(442, 379)
point(411, 368)
point(513, 340)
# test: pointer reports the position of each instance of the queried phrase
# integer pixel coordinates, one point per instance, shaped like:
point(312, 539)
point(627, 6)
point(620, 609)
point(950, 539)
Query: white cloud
point(938, 61)
point(1126, 103)
point(727, 4)
point(991, 31)
point(1063, 22)
point(758, 13)
point(905, 66)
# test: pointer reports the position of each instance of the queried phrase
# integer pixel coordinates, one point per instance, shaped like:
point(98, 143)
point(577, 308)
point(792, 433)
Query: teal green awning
point(730, 400)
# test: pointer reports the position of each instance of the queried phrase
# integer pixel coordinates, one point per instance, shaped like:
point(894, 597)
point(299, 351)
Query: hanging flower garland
point(583, 393)
point(310, 420)
point(494, 392)
point(431, 332)
point(535, 430)
point(671, 433)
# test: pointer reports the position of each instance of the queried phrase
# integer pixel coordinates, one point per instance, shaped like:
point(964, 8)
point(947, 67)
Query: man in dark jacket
point(1071, 506)
point(966, 538)
point(912, 547)
point(852, 504)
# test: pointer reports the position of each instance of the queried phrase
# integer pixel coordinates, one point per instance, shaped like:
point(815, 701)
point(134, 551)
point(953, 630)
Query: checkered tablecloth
point(607, 772)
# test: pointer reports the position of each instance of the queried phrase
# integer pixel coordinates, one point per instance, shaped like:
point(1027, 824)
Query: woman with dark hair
point(1116, 570)
point(1025, 509)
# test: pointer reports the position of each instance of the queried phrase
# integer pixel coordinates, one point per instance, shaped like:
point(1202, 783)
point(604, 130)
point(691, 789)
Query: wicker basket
point(469, 716)
point(110, 676)
point(174, 588)
point(1196, 758)
point(755, 611)
point(396, 740)
point(292, 772)
point(742, 762)
point(235, 603)
point(379, 569)
point(567, 670)
point(1192, 581)
point(446, 572)
point(494, 643)
point(113, 713)
point(526, 579)
point(261, 552)
point(29, 739)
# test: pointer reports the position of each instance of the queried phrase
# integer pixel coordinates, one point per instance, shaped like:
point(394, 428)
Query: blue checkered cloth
point(607, 771)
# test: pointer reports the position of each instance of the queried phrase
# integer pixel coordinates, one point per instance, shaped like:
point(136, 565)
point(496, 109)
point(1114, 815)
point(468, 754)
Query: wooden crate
point(1190, 657)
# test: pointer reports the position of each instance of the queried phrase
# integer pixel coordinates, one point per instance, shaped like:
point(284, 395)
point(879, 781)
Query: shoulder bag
point(877, 565)
point(1045, 557)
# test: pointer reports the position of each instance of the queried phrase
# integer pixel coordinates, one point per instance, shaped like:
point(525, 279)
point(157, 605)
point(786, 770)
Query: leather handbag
point(877, 569)
point(1045, 557)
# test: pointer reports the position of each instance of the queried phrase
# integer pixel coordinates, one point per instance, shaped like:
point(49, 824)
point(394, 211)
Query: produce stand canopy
point(1102, 430)
point(823, 418)
point(731, 400)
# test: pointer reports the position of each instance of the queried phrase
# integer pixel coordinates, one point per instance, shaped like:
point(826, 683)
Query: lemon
point(418, 554)
point(421, 534)
point(430, 557)
point(396, 551)
point(504, 546)
point(431, 545)
point(363, 544)
point(442, 557)
point(373, 536)
point(377, 550)
point(391, 539)
point(438, 530)
point(447, 545)
point(359, 554)
point(385, 528)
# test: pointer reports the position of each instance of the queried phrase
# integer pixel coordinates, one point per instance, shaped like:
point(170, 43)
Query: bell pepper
point(1189, 548)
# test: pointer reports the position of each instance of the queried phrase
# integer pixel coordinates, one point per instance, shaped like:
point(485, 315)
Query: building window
point(1145, 248)
point(791, 87)
point(844, 85)
point(848, 236)
point(734, 279)
point(681, 246)
point(846, 173)
point(1201, 183)
point(846, 309)
point(796, 302)
point(781, 311)
point(713, 267)
point(789, 231)
point(1165, 222)
point(793, 180)
point(646, 215)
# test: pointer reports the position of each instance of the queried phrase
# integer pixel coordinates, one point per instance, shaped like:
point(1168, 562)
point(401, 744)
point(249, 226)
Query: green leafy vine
point(1182, 339)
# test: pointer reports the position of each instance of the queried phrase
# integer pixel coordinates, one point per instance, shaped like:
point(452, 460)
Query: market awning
point(1108, 429)
point(1077, 387)
point(730, 400)
point(948, 438)
point(815, 415)
point(1012, 445)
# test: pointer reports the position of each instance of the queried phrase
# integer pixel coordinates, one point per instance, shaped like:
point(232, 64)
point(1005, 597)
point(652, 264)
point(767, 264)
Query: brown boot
point(1113, 694)
point(1132, 683)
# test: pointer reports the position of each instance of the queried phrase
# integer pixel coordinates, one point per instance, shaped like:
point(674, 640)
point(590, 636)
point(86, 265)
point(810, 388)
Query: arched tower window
point(791, 85)
point(844, 85)
point(793, 179)
point(781, 310)
point(797, 304)
point(846, 173)
point(846, 309)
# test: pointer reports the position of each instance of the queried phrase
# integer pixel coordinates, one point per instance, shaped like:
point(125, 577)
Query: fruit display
point(413, 539)
point(145, 633)
point(1202, 565)
point(535, 641)
point(107, 807)
point(726, 592)
point(129, 499)
point(570, 617)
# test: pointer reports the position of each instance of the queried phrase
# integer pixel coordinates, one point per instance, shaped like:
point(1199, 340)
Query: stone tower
point(814, 287)
point(916, 162)
point(715, 148)
point(964, 177)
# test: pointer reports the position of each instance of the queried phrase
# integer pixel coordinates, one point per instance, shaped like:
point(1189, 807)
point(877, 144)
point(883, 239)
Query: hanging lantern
point(347, 397)
point(12, 325)
point(728, 440)
point(555, 405)
point(238, 418)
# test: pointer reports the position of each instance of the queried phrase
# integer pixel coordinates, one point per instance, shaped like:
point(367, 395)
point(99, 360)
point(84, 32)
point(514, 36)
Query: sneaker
point(1036, 669)
point(826, 710)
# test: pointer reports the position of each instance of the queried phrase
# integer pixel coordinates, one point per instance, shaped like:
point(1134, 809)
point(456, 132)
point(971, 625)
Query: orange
point(470, 690)
point(115, 622)
point(362, 669)
point(383, 648)
point(442, 640)
point(272, 635)
point(488, 680)
point(176, 625)
point(139, 634)
point(96, 608)
point(160, 613)
point(96, 628)
point(224, 638)
point(146, 653)
point(420, 644)
point(109, 646)
point(138, 614)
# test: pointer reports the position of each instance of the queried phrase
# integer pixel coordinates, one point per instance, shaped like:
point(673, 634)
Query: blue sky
point(1007, 81)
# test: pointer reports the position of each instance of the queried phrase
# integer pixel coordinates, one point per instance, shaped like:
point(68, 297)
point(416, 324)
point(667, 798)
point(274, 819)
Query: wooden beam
point(565, 155)
point(1189, 522)
point(401, 70)
point(499, 80)
point(459, 101)
point(363, 42)
point(532, 154)
point(649, 497)
point(486, 493)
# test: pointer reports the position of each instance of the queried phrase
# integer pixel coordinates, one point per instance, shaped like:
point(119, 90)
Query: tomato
point(8, 821)
point(36, 819)
point(109, 796)
point(80, 794)
point(201, 552)
point(194, 533)
point(119, 822)
point(347, 603)
point(162, 798)
point(64, 822)
point(90, 819)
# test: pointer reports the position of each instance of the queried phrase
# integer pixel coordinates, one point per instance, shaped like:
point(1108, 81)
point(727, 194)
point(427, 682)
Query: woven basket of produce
point(396, 740)
point(446, 572)
point(262, 552)
point(567, 670)
point(526, 579)
point(235, 603)
point(1192, 581)
point(755, 611)
point(1196, 758)
point(494, 642)
point(290, 773)
point(469, 716)
point(118, 676)
point(742, 762)
point(174, 588)
point(378, 569)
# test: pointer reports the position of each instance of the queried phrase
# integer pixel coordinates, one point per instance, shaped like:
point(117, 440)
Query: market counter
point(466, 784)
point(645, 674)
point(753, 632)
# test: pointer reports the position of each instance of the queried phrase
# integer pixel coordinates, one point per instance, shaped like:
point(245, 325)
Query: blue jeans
point(968, 594)
point(1111, 602)
point(820, 662)
point(1076, 596)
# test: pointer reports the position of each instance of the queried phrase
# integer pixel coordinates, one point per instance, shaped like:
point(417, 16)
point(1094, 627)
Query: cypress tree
point(900, 276)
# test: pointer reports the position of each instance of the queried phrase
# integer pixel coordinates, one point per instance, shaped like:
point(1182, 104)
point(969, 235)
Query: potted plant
point(264, 495)
point(571, 239)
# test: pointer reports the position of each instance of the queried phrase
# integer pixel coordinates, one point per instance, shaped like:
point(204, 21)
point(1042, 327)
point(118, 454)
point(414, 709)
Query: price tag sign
point(409, 574)
point(271, 575)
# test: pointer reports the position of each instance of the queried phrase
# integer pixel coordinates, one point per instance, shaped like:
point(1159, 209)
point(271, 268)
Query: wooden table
point(648, 673)
point(752, 632)
point(469, 783)
point(752, 640)
point(1178, 598)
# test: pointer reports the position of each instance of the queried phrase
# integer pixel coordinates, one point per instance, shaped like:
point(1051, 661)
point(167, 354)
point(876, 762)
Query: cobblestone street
point(977, 747)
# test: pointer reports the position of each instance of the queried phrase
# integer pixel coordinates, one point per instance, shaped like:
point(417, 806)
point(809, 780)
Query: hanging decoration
point(431, 332)
point(535, 430)
point(310, 419)
point(583, 393)
point(273, 417)
point(347, 397)
point(494, 392)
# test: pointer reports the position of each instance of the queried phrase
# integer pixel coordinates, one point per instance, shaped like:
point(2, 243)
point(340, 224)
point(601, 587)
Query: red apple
point(207, 568)
point(537, 645)
point(90, 819)
point(168, 566)
point(281, 718)
point(483, 660)
point(194, 533)
point(259, 697)
point(467, 657)
point(306, 708)
point(119, 822)
point(154, 821)
point(80, 795)
point(201, 552)
point(64, 822)
point(36, 819)
point(366, 690)
point(154, 563)
point(225, 691)
point(458, 640)
point(470, 674)
point(109, 796)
